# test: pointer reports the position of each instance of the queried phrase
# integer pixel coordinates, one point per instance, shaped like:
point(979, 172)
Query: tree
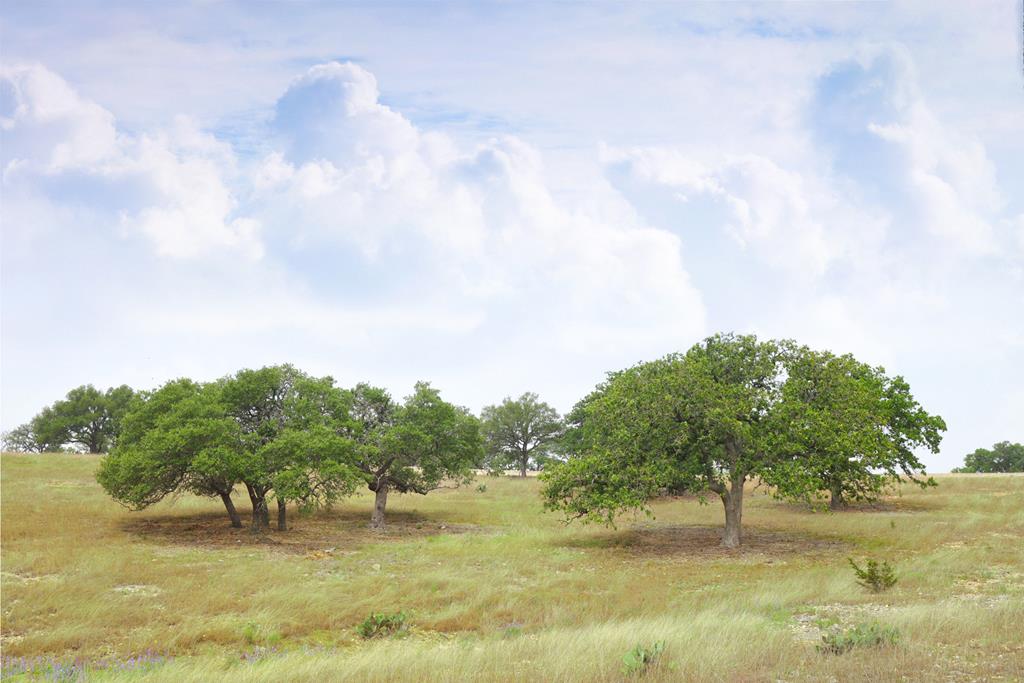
point(520, 432)
point(177, 438)
point(22, 439)
point(851, 427)
point(731, 409)
point(1003, 457)
point(86, 417)
point(411, 447)
point(276, 430)
point(696, 422)
point(295, 439)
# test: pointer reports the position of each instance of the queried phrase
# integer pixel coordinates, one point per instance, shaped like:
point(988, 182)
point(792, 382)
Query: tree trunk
point(260, 514)
point(733, 501)
point(282, 513)
point(379, 503)
point(837, 502)
point(524, 460)
point(236, 521)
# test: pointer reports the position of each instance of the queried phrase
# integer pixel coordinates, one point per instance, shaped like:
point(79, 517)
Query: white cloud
point(48, 127)
point(789, 219)
point(170, 186)
point(767, 169)
point(356, 171)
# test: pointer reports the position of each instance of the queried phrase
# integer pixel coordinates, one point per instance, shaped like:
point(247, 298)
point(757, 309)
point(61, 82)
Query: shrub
point(637, 660)
point(377, 625)
point(876, 577)
point(871, 634)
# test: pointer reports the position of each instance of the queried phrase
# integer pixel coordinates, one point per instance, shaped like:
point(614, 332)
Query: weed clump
point(254, 634)
point(638, 659)
point(380, 625)
point(875, 576)
point(871, 634)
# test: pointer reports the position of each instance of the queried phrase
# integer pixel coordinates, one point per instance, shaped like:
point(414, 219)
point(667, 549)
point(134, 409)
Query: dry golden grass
point(498, 590)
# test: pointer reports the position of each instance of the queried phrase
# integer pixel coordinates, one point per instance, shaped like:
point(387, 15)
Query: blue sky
point(511, 197)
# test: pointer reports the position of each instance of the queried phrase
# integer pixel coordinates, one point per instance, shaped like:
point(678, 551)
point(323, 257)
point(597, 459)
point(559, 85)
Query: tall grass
point(504, 591)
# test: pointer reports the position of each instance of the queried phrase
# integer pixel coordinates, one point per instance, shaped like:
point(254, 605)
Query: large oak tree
point(731, 409)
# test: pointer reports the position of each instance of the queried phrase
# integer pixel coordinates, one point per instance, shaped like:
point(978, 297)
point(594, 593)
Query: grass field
point(495, 589)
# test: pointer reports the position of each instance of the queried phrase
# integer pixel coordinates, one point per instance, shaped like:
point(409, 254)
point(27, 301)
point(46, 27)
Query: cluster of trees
point(732, 409)
point(287, 437)
point(1002, 457)
point(806, 423)
point(86, 419)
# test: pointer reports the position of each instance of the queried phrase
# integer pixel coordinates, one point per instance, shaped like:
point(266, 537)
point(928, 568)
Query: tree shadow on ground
point(324, 531)
point(703, 542)
point(889, 505)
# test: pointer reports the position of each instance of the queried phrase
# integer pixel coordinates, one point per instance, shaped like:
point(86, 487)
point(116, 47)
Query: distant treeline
point(1002, 457)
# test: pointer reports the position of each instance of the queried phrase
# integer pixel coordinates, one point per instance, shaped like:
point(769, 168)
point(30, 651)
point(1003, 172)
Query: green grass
point(494, 589)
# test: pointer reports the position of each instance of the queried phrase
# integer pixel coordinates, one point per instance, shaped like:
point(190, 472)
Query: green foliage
point(22, 439)
point(694, 422)
point(1002, 457)
point(850, 427)
point(520, 433)
point(295, 437)
point(876, 576)
point(734, 408)
point(413, 446)
point(275, 430)
point(287, 436)
point(175, 438)
point(380, 625)
point(641, 657)
point(871, 634)
point(86, 418)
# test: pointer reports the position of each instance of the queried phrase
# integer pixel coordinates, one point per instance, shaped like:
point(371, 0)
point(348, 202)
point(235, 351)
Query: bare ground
point(323, 533)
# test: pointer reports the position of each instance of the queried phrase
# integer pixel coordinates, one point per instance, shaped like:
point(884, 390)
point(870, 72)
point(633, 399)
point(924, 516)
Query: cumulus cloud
point(47, 125)
point(795, 185)
point(871, 112)
point(169, 186)
point(354, 171)
point(793, 221)
point(389, 248)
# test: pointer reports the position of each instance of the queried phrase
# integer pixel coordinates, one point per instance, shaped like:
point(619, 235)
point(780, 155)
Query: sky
point(500, 198)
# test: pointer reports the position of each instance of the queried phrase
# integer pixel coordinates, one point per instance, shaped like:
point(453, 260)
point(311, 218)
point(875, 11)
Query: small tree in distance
point(520, 432)
point(1002, 457)
point(86, 418)
point(22, 439)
